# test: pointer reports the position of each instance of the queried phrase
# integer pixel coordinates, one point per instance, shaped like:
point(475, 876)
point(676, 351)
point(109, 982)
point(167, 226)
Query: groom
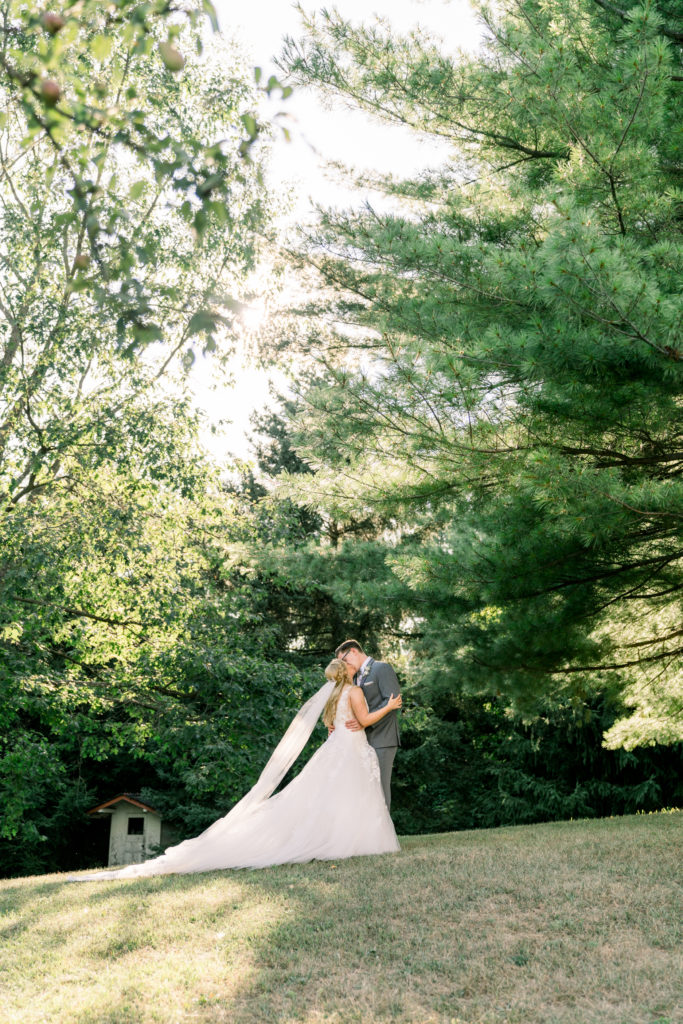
point(378, 681)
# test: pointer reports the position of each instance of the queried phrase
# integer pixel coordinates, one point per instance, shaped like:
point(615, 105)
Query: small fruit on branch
point(172, 57)
point(50, 91)
point(52, 22)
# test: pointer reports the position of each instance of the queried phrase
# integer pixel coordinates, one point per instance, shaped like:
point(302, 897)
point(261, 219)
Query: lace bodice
point(343, 712)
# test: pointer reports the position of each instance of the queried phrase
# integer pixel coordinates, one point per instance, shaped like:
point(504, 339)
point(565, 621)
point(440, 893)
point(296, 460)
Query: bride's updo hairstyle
point(335, 671)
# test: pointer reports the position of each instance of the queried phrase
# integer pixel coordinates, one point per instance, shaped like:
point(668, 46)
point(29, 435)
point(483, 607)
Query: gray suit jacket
point(378, 682)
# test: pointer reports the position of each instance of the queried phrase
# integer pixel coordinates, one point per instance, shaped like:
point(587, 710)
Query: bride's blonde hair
point(335, 671)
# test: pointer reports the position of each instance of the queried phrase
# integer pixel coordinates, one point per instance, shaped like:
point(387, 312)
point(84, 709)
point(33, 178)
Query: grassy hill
point(569, 923)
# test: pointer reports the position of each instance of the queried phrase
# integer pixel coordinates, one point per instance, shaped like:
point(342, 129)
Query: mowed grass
point(575, 922)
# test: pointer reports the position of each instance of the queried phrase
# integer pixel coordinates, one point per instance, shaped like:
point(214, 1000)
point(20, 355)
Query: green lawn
point(574, 922)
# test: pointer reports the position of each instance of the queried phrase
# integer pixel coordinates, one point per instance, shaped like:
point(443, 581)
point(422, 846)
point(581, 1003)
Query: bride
point(334, 808)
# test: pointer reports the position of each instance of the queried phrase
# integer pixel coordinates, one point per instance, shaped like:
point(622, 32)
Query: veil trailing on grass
point(199, 854)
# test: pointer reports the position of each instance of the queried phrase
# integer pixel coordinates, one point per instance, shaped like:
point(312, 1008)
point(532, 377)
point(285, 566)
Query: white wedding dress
point(334, 808)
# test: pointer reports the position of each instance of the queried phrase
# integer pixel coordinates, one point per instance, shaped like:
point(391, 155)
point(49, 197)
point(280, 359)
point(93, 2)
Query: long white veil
point(282, 758)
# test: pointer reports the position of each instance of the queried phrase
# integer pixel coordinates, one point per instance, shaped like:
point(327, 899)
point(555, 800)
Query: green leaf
point(210, 10)
point(203, 320)
point(209, 184)
point(145, 334)
point(102, 46)
point(250, 125)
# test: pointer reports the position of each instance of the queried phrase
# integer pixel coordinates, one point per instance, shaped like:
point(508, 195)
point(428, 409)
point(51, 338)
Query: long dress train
point(333, 809)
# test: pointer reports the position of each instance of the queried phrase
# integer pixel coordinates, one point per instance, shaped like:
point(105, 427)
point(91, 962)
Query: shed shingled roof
point(132, 798)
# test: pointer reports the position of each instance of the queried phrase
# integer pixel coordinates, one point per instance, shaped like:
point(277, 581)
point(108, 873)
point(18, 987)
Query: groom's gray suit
point(378, 681)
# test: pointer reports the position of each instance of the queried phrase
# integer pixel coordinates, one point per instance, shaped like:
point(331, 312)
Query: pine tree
point(513, 381)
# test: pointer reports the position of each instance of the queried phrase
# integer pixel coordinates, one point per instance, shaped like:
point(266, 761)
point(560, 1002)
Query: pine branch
point(660, 561)
point(615, 666)
point(655, 639)
point(619, 13)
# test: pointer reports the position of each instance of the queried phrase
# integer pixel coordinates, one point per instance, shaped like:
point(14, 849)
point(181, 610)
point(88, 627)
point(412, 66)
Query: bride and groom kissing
point(336, 807)
point(380, 687)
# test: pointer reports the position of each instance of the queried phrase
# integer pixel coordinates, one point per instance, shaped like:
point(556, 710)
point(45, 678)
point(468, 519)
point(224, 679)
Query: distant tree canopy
point(500, 366)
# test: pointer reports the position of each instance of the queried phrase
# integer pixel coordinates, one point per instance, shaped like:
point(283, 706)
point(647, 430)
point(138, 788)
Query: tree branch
point(619, 13)
point(82, 614)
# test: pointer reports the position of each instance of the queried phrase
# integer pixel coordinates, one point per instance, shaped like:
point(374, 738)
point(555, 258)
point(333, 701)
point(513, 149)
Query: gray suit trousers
point(385, 756)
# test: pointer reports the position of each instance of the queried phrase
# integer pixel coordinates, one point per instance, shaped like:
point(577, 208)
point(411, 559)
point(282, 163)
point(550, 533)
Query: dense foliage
point(130, 206)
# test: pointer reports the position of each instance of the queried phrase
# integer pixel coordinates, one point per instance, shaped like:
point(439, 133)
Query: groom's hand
point(353, 725)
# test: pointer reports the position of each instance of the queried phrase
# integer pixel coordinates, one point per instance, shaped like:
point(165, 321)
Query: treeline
point(477, 471)
point(247, 599)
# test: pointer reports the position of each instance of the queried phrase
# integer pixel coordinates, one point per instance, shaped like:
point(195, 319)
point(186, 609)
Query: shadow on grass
point(526, 924)
point(44, 911)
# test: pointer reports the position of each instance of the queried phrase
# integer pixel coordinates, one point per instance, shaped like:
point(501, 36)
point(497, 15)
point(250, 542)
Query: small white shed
point(134, 831)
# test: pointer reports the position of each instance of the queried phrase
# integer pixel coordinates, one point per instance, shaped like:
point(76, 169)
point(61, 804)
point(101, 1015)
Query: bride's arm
point(359, 707)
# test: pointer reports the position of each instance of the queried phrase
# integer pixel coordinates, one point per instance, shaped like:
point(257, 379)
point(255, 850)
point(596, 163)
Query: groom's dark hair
point(346, 646)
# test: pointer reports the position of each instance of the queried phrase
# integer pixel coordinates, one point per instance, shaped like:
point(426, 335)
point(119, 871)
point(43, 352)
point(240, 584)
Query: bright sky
point(320, 134)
